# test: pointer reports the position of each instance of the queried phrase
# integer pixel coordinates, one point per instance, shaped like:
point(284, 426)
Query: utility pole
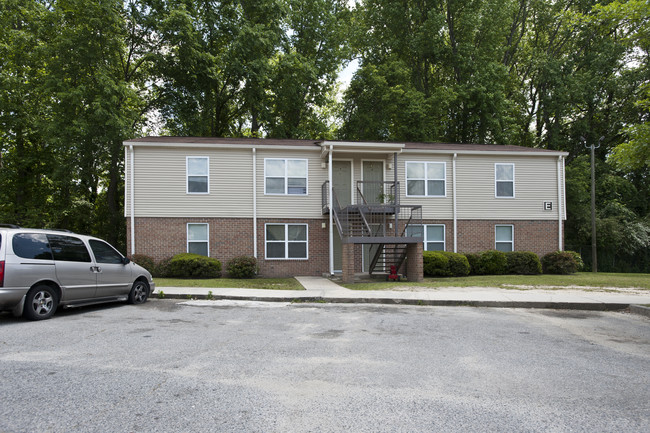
point(594, 252)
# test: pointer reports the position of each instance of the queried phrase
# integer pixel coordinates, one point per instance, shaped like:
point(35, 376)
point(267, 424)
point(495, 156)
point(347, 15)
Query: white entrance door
point(342, 186)
point(373, 171)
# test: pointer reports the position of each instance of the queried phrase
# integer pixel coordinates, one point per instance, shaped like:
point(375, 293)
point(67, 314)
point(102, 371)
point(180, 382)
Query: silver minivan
point(41, 270)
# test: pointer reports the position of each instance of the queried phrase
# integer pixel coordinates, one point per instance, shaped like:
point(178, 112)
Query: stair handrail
point(375, 258)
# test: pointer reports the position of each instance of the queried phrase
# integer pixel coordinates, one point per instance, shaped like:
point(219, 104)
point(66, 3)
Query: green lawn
point(584, 279)
point(253, 283)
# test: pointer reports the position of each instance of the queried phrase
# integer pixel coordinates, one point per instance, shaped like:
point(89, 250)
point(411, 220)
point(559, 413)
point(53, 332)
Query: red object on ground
point(393, 273)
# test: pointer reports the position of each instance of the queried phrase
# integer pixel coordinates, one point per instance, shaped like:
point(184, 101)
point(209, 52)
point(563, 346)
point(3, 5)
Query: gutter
point(132, 200)
point(455, 204)
point(331, 219)
point(560, 201)
point(255, 202)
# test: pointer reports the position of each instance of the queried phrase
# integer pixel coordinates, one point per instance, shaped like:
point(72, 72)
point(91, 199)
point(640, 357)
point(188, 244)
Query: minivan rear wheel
point(139, 292)
point(40, 303)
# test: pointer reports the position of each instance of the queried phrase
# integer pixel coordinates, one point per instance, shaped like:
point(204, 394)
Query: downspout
point(132, 200)
point(254, 202)
point(560, 201)
point(331, 208)
point(396, 192)
point(455, 205)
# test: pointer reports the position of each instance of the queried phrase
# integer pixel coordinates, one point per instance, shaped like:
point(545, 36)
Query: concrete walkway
point(319, 289)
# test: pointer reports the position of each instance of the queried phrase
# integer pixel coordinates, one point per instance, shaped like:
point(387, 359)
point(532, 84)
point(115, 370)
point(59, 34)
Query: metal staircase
point(382, 221)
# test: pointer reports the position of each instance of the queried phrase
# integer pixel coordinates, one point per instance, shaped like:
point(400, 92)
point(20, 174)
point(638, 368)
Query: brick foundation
point(161, 238)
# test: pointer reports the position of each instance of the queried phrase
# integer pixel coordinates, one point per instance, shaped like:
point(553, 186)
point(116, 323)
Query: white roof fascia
point(218, 145)
point(487, 152)
point(360, 147)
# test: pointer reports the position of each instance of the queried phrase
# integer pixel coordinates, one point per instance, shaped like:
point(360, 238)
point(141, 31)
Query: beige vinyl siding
point(291, 206)
point(535, 183)
point(432, 207)
point(161, 183)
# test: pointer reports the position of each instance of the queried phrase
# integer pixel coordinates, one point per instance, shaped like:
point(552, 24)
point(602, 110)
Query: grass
point(253, 283)
point(582, 279)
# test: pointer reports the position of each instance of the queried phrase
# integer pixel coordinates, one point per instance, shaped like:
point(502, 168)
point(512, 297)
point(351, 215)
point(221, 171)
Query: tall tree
point(25, 157)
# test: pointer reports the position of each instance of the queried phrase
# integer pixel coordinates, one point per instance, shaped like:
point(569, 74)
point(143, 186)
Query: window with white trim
point(198, 175)
point(504, 180)
point(433, 235)
point(426, 179)
point(504, 238)
point(285, 176)
point(286, 241)
point(198, 239)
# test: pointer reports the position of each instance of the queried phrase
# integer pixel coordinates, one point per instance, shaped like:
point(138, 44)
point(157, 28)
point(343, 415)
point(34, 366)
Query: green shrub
point(435, 264)
point(559, 262)
point(444, 264)
point(492, 262)
point(242, 267)
point(161, 269)
point(578, 258)
point(144, 261)
point(523, 263)
point(473, 260)
point(187, 265)
point(458, 265)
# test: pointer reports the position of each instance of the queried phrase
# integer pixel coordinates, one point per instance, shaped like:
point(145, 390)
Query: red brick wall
point(539, 236)
point(161, 238)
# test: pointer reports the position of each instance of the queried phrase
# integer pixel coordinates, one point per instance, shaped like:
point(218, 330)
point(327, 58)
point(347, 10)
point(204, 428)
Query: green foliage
point(523, 263)
point(144, 261)
point(161, 269)
point(490, 262)
point(559, 262)
point(242, 267)
point(580, 265)
point(187, 265)
point(435, 264)
point(458, 266)
point(444, 264)
point(473, 260)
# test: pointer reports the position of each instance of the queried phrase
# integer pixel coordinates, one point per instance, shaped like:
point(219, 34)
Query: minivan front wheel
point(139, 292)
point(40, 303)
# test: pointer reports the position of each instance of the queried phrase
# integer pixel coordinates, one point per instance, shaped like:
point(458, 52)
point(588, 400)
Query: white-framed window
point(286, 241)
point(198, 239)
point(426, 179)
point(433, 235)
point(504, 237)
point(504, 180)
point(198, 174)
point(285, 176)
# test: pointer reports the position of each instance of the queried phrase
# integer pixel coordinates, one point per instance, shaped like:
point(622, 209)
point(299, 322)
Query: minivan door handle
point(95, 269)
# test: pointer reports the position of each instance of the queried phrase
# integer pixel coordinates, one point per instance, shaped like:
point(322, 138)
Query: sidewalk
point(319, 289)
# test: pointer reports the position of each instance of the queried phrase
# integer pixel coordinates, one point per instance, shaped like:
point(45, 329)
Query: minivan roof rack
point(61, 230)
point(9, 226)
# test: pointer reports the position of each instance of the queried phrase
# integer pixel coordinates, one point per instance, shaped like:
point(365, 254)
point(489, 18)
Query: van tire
point(139, 293)
point(40, 303)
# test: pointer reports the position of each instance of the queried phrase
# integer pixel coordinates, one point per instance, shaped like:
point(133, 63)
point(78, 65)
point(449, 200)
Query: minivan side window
point(104, 253)
point(31, 246)
point(68, 248)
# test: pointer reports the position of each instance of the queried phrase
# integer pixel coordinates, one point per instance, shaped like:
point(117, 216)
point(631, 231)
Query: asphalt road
point(208, 366)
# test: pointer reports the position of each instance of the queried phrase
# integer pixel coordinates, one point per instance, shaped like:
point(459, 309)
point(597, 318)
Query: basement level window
point(504, 238)
point(198, 239)
point(286, 241)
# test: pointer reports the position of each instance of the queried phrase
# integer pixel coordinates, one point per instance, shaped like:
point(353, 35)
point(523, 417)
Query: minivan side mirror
point(125, 260)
